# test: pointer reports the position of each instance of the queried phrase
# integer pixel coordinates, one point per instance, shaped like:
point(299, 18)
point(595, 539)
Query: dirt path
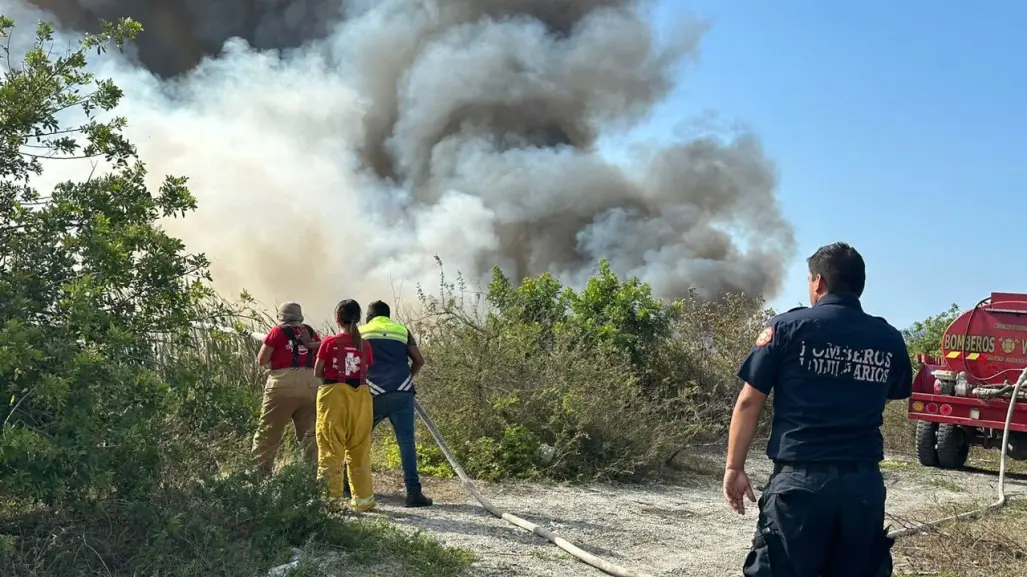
point(657, 530)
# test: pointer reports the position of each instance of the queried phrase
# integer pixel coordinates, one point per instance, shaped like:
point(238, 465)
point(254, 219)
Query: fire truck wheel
point(953, 446)
point(926, 438)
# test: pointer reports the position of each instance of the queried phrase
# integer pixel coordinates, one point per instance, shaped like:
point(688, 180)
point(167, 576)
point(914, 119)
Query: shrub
point(540, 380)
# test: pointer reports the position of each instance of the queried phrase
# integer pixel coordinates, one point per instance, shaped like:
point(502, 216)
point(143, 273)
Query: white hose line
point(286, 568)
point(1001, 501)
point(229, 330)
point(585, 556)
point(577, 552)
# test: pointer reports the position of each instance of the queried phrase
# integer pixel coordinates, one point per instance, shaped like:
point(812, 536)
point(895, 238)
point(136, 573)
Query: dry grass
point(992, 546)
point(899, 432)
point(988, 459)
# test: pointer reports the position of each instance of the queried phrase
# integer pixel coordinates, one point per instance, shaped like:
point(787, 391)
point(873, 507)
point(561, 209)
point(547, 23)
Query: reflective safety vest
point(295, 343)
point(390, 372)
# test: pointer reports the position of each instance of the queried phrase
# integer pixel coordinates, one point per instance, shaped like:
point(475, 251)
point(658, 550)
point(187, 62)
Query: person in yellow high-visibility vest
point(391, 380)
point(344, 409)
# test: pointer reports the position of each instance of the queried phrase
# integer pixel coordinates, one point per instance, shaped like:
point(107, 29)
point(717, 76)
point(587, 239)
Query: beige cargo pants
point(289, 395)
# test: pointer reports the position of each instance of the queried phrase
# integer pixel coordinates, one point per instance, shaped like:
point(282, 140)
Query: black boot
point(415, 498)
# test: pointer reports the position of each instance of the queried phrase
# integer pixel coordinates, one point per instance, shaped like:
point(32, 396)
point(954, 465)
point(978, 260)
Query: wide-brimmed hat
point(290, 313)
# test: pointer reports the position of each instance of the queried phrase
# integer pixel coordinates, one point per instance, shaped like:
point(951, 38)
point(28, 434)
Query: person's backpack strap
point(294, 342)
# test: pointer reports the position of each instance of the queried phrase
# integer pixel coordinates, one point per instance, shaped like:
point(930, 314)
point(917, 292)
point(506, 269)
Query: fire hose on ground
point(1001, 500)
point(618, 571)
point(585, 556)
point(577, 552)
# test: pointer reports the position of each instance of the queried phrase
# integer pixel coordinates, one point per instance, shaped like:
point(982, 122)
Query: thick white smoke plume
point(336, 147)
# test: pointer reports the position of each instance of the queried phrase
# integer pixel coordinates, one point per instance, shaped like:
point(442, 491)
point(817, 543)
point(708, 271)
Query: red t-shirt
point(281, 356)
point(342, 360)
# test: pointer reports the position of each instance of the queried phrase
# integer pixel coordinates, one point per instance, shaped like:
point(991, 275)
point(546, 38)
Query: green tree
point(90, 285)
point(538, 307)
point(924, 337)
point(623, 314)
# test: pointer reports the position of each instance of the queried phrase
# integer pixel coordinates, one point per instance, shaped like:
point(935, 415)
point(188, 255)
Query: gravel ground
point(677, 530)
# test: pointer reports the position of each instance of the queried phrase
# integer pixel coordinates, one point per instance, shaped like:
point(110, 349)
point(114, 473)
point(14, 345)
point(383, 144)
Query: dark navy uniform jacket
point(832, 369)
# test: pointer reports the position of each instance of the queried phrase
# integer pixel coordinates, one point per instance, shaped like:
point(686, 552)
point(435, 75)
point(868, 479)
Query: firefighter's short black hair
point(841, 267)
point(378, 309)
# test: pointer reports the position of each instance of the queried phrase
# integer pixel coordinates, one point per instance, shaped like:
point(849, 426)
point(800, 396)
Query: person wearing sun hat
point(290, 394)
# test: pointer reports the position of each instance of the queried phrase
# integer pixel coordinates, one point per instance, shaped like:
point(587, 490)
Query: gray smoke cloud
point(336, 146)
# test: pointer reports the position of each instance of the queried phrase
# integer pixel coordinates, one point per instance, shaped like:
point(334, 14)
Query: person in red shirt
point(290, 393)
point(344, 409)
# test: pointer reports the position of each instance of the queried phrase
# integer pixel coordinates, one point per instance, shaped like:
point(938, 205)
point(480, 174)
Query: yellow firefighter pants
point(289, 395)
point(344, 419)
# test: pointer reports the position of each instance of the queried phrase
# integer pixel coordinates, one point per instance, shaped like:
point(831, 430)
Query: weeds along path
point(659, 530)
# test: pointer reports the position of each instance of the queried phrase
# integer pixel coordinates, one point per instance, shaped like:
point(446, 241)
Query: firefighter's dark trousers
point(821, 520)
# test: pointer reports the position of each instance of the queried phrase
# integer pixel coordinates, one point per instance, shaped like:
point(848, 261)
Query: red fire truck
point(961, 398)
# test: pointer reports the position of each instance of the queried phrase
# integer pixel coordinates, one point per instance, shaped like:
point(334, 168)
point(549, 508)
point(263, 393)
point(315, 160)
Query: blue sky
point(896, 126)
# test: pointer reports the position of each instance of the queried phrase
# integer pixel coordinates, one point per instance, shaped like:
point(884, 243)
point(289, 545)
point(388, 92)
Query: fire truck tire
point(953, 446)
point(926, 438)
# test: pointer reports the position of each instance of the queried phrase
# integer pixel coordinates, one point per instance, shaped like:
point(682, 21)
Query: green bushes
point(125, 430)
point(235, 525)
point(86, 278)
point(539, 380)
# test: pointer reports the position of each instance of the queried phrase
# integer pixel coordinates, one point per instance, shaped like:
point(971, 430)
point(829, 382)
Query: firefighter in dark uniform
point(832, 368)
